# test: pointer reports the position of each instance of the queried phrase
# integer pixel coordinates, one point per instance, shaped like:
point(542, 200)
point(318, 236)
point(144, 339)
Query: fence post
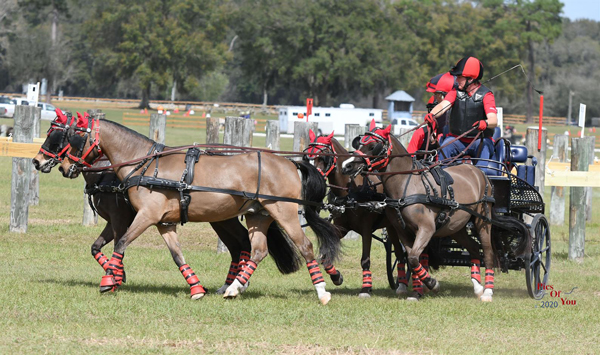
point(557, 199)
point(531, 141)
point(272, 139)
point(580, 152)
point(301, 139)
point(158, 126)
point(351, 131)
point(590, 190)
point(237, 131)
point(405, 139)
point(248, 132)
point(21, 168)
point(34, 185)
point(212, 130)
point(90, 218)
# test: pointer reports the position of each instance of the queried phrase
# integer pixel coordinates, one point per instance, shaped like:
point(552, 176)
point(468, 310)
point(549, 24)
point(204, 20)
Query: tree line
point(283, 51)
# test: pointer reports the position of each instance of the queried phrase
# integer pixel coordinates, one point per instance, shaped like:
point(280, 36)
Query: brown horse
point(323, 151)
point(219, 190)
point(114, 208)
point(412, 214)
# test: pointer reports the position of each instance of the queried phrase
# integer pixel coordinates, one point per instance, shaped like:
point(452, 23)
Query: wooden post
point(405, 138)
point(580, 152)
point(21, 168)
point(272, 140)
point(301, 139)
point(237, 131)
point(590, 190)
point(158, 126)
point(557, 200)
point(34, 185)
point(248, 132)
point(531, 141)
point(212, 130)
point(352, 131)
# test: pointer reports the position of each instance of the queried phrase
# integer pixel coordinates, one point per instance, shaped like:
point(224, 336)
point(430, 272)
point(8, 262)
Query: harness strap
point(140, 180)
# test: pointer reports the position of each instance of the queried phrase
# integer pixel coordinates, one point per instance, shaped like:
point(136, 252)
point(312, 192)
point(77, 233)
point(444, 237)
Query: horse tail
point(282, 250)
point(520, 245)
point(314, 190)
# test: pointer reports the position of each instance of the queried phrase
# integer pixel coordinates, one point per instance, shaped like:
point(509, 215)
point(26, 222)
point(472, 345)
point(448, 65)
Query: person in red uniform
point(473, 105)
point(439, 85)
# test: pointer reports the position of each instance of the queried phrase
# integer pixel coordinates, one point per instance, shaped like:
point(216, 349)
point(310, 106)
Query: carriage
point(512, 174)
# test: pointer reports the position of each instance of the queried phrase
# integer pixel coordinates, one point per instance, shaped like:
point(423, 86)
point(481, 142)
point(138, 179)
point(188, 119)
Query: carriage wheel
point(391, 262)
point(537, 266)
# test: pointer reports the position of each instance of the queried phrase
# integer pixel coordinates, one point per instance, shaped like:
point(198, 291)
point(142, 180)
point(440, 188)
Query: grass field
point(51, 302)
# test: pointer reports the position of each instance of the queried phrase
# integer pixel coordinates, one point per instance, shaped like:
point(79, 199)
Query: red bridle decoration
point(377, 135)
point(83, 125)
point(59, 124)
point(320, 145)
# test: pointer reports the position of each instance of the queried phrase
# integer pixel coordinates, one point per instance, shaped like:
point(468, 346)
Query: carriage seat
point(518, 154)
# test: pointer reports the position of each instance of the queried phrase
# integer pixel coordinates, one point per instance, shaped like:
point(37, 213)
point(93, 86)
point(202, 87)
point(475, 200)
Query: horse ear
point(311, 135)
point(60, 117)
point(372, 125)
point(331, 135)
point(387, 131)
point(82, 122)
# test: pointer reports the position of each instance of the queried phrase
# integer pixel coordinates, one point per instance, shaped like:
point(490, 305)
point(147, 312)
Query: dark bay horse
point(416, 220)
point(222, 188)
point(114, 208)
point(323, 151)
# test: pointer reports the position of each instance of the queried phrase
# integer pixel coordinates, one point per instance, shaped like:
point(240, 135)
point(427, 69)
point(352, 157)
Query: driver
point(473, 105)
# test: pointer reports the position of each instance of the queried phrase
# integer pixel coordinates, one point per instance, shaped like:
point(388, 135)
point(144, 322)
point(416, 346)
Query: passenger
point(473, 105)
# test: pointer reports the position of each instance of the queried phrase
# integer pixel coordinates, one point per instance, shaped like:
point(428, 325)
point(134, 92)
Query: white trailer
point(330, 119)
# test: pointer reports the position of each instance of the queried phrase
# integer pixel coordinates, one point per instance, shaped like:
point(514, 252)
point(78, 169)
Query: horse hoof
point(222, 289)
point(414, 297)
point(104, 289)
point(338, 280)
point(402, 290)
point(487, 295)
point(245, 287)
point(436, 288)
point(197, 296)
point(477, 288)
point(364, 295)
point(325, 298)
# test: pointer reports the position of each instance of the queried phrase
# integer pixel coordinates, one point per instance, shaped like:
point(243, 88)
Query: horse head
point(84, 146)
point(372, 150)
point(316, 148)
point(56, 144)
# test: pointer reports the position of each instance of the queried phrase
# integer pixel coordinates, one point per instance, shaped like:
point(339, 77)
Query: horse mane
point(127, 129)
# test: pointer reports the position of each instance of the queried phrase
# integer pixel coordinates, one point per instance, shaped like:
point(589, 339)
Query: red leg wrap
point(196, 289)
point(189, 275)
point(489, 278)
point(421, 273)
point(246, 271)
point(115, 266)
point(402, 273)
point(315, 273)
point(233, 271)
point(475, 265)
point(102, 260)
point(424, 260)
point(330, 269)
point(367, 279)
point(108, 281)
point(417, 284)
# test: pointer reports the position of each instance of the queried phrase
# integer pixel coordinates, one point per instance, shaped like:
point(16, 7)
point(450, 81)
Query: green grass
point(50, 301)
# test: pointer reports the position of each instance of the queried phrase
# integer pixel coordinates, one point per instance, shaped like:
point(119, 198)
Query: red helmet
point(443, 83)
point(469, 67)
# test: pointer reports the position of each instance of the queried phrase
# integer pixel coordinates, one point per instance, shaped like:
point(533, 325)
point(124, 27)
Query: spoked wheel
point(391, 261)
point(537, 266)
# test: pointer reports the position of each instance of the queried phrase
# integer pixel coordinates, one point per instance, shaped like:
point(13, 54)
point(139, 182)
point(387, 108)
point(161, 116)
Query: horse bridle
point(55, 128)
point(314, 149)
point(78, 141)
point(376, 160)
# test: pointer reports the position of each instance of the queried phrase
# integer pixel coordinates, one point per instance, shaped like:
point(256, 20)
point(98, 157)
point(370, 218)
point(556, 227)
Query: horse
point(418, 208)
point(114, 208)
point(217, 189)
point(323, 151)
